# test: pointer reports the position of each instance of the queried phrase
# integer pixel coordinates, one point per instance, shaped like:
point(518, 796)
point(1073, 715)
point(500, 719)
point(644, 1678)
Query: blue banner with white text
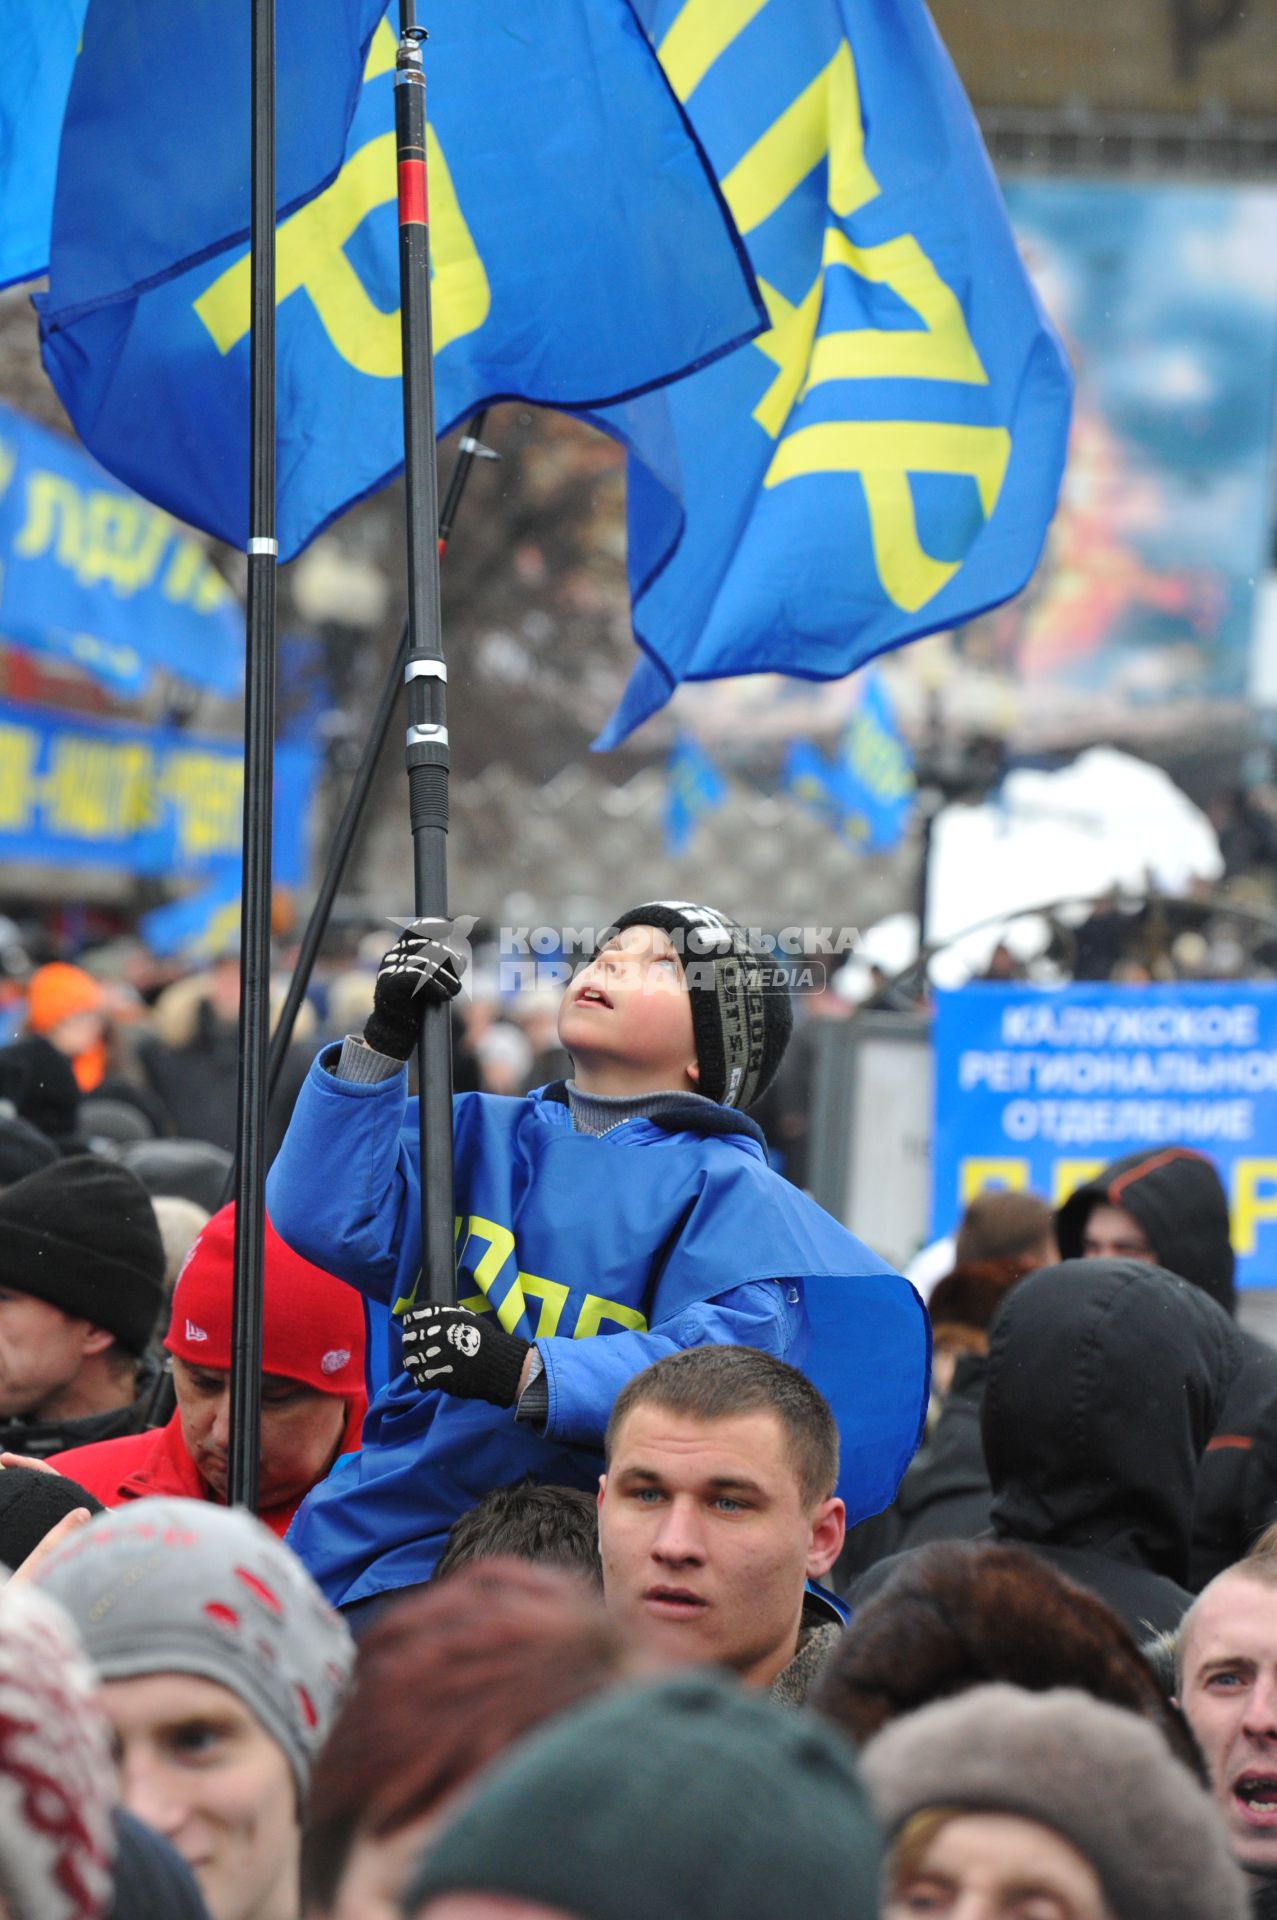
point(99, 577)
point(1041, 1088)
point(883, 462)
point(147, 800)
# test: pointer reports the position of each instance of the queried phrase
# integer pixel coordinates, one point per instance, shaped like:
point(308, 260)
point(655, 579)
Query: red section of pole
point(259, 747)
point(471, 448)
point(425, 674)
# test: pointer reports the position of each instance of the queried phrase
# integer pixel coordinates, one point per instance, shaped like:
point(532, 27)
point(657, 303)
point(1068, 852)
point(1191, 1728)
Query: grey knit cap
point(689, 1799)
point(182, 1586)
point(1100, 1777)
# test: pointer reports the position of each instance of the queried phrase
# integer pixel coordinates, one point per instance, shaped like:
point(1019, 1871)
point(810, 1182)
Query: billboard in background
point(1144, 603)
point(1040, 1088)
point(1166, 296)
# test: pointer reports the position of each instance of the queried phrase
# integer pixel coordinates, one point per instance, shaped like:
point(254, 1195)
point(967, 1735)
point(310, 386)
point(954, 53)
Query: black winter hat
point(742, 1014)
point(23, 1150)
point(152, 1881)
point(83, 1235)
point(41, 1085)
point(31, 1504)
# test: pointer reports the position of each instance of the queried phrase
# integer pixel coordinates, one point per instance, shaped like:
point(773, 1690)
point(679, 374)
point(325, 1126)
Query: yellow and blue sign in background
point(1040, 1089)
point(96, 575)
point(143, 800)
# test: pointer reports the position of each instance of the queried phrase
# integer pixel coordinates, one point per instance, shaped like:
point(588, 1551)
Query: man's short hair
point(720, 1383)
point(555, 1526)
point(1258, 1563)
point(1001, 1224)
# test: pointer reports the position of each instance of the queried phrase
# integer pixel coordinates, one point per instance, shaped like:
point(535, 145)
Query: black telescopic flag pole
point(471, 448)
point(259, 742)
point(425, 673)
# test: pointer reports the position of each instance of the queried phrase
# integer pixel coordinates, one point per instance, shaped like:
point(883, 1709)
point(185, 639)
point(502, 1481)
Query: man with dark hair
point(553, 1526)
point(717, 1509)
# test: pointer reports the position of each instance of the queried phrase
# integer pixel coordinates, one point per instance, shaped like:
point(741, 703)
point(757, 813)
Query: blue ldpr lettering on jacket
point(608, 1253)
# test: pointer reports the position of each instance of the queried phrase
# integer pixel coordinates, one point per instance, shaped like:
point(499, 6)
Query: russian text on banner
point(1040, 1089)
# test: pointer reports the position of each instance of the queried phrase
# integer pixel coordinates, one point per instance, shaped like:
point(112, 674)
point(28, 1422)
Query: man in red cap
point(313, 1396)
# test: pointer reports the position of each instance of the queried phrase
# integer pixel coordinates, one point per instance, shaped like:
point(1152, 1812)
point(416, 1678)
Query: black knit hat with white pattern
point(742, 1014)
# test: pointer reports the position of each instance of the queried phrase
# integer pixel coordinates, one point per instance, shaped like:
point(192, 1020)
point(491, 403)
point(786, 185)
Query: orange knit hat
point(56, 992)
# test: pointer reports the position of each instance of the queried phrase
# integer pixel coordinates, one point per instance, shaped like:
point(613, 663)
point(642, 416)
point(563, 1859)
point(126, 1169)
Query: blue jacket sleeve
point(343, 1190)
point(583, 1377)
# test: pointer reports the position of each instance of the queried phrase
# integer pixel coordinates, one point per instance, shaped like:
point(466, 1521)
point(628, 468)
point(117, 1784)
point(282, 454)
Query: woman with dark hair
point(444, 1682)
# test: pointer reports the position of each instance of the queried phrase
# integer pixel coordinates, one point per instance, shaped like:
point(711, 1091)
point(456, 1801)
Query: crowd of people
point(688, 1566)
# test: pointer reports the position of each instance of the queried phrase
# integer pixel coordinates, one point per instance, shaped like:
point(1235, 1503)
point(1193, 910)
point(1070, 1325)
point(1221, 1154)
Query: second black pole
point(259, 750)
point(425, 673)
point(471, 448)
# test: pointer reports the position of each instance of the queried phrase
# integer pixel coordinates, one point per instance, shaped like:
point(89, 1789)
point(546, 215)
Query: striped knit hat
point(742, 1015)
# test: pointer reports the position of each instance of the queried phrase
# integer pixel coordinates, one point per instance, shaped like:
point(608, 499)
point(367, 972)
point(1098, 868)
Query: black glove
point(464, 1353)
point(423, 965)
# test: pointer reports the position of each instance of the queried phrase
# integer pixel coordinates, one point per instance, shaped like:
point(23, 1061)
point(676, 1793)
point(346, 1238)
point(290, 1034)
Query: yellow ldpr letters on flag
point(825, 122)
point(551, 1295)
point(311, 257)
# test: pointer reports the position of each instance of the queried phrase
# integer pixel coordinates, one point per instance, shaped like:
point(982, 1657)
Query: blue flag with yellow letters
point(865, 791)
point(157, 131)
point(37, 55)
point(884, 460)
point(581, 252)
point(98, 577)
point(878, 768)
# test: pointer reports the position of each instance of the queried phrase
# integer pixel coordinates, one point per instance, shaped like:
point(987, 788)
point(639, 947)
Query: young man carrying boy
point(634, 1202)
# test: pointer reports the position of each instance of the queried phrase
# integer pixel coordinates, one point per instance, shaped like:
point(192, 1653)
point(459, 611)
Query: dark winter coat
point(1105, 1380)
point(1176, 1197)
point(945, 1494)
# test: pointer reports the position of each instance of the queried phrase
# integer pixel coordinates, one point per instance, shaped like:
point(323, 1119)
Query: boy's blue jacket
point(655, 1236)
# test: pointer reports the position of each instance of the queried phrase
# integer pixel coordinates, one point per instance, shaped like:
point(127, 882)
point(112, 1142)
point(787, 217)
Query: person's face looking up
point(626, 1018)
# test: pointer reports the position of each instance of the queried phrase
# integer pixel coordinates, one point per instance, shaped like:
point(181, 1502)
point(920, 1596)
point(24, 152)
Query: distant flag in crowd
point(865, 790)
point(202, 925)
point(581, 249)
point(878, 768)
point(95, 575)
point(693, 787)
point(38, 40)
point(885, 460)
